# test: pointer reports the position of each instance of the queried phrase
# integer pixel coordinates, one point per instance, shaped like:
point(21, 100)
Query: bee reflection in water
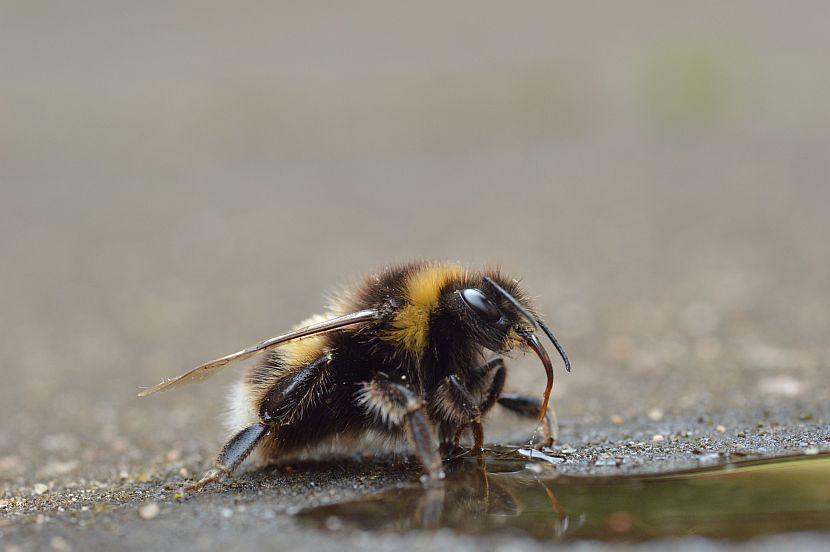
point(480, 494)
point(505, 493)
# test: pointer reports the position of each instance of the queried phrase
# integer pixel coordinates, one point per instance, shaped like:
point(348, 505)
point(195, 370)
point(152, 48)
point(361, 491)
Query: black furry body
point(407, 361)
point(358, 356)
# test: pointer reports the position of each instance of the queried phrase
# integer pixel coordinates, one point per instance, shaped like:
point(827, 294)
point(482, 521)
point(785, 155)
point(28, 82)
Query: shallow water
point(505, 492)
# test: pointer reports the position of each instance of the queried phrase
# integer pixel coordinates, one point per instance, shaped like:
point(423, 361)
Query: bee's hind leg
point(233, 453)
point(281, 404)
point(397, 406)
point(529, 407)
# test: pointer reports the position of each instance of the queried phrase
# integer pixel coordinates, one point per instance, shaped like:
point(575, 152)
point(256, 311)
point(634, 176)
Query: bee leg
point(455, 404)
point(292, 396)
point(496, 384)
point(282, 403)
point(477, 429)
point(233, 453)
point(529, 407)
point(479, 381)
point(397, 406)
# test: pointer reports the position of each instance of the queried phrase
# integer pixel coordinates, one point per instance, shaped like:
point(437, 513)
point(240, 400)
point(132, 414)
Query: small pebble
point(60, 468)
point(60, 543)
point(655, 414)
point(149, 511)
point(785, 386)
point(709, 458)
point(9, 463)
point(620, 522)
point(616, 419)
point(4, 504)
point(226, 512)
point(720, 429)
point(59, 442)
point(811, 451)
point(40, 488)
point(333, 523)
point(658, 438)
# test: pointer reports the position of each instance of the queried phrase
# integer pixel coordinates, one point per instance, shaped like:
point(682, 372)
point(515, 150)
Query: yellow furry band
point(410, 328)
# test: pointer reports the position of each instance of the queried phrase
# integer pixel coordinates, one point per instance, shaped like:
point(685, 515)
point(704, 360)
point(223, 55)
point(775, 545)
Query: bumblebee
point(402, 354)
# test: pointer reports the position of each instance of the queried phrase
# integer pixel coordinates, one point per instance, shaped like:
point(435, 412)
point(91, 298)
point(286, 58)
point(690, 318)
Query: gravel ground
point(146, 510)
point(179, 182)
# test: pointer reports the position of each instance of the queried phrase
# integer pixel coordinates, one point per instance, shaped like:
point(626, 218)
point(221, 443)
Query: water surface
point(505, 492)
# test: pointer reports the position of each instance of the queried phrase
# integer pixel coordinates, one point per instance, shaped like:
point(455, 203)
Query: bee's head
point(500, 317)
point(489, 317)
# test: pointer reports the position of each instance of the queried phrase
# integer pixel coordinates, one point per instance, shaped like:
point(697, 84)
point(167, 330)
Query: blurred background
point(179, 180)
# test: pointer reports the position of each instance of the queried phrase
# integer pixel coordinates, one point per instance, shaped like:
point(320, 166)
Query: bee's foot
point(210, 477)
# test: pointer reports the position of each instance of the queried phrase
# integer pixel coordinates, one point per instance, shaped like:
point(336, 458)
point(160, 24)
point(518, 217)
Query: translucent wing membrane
point(207, 370)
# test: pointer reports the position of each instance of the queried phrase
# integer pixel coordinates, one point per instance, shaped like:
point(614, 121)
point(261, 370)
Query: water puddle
point(506, 492)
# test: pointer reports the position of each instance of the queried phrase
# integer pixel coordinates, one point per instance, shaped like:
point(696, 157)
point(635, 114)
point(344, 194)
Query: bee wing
point(209, 369)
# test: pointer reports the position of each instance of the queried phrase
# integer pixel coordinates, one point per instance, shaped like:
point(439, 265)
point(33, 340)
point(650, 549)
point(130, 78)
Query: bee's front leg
point(496, 385)
point(529, 407)
point(454, 404)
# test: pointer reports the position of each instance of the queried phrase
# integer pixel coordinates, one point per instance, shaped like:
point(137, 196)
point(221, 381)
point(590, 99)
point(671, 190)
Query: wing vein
point(209, 369)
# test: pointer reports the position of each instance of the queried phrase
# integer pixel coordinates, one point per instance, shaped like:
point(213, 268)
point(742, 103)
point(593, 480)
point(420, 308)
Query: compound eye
point(482, 306)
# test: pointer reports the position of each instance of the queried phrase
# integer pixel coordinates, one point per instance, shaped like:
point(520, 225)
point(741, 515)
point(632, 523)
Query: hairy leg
point(496, 384)
point(529, 407)
point(283, 405)
point(455, 405)
point(481, 380)
point(294, 393)
point(233, 453)
point(397, 406)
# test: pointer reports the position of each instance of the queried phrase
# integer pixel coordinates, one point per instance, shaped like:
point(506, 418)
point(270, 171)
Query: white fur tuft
point(239, 412)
